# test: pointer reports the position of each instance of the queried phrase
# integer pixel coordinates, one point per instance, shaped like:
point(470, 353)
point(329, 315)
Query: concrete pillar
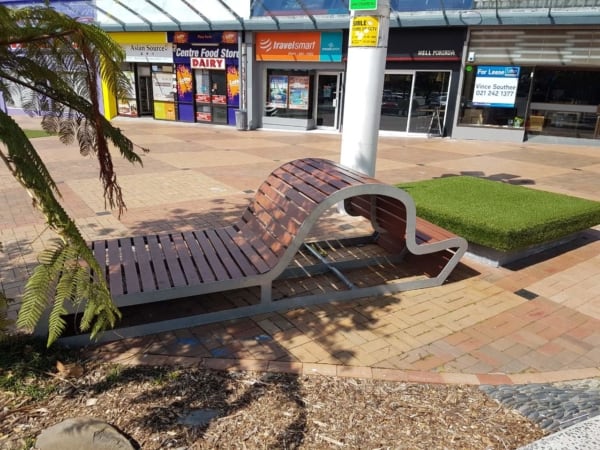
point(367, 50)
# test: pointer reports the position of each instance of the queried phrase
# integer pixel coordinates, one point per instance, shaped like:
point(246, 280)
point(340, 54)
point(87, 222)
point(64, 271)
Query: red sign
point(219, 99)
point(208, 63)
point(203, 98)
point(203, 116)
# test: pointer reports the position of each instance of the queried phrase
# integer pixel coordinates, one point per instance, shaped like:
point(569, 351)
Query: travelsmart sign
point(496, 86)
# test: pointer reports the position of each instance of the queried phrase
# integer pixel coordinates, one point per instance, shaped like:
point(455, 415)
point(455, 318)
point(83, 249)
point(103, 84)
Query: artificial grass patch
point(502, 216)
point(31, 134)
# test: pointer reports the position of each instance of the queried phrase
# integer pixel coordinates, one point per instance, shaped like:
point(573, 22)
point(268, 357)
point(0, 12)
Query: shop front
point(421, 79)
point(149, 67)
point(300, 78)
point(521, 83)
point(207, 76)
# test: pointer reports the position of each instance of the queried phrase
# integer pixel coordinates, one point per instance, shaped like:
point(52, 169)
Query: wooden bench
point(261, 248)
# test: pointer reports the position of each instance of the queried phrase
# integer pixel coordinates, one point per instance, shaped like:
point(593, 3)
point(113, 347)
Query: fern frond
point(56, 322)
point(38, 290)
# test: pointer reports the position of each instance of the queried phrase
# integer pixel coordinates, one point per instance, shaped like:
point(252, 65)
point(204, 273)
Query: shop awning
point(174, 15)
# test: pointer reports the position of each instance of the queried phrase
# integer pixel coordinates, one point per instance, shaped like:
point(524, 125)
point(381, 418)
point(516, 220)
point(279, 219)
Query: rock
point(82, 432)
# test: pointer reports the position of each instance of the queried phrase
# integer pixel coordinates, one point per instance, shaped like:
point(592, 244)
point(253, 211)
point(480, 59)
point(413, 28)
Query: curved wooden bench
point(258, 249)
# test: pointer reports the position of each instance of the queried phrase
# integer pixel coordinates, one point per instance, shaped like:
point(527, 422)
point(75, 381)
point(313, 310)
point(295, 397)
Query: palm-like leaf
point(57, 68)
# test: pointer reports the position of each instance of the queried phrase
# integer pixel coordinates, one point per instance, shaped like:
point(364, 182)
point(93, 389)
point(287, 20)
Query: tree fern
point(57, 70)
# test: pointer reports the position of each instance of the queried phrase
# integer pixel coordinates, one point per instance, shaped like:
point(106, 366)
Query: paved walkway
point(533, 322)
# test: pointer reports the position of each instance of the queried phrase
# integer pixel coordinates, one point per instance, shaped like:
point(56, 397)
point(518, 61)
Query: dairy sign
point(496, 86)
point(208, 63)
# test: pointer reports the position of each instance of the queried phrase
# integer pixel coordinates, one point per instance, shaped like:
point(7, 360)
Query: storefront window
point(495, 96)
point(128, 106)
point(565, 103)
point(288, 94)
point(415, 102)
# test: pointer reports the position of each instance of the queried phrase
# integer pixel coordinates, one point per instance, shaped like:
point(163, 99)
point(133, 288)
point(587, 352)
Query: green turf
point(36, 133)
point(500, 215)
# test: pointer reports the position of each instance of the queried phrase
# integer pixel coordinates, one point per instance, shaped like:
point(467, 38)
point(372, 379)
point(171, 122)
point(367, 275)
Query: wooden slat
point(115, 278)
point(251, 253)
point(172, 261)
point(352, 177)
point(99, 250)
point(132, 279)
point(183, 253)
point(211, 256)
point(301, 201)
point(228, 262)
point(158, 263)
point(289, 208)
point(147, 279)
point(315, 178)
point(302, 186)
point(199, 258)
point(234, 250)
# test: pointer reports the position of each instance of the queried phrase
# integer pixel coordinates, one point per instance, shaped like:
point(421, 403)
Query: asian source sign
point(496, 86)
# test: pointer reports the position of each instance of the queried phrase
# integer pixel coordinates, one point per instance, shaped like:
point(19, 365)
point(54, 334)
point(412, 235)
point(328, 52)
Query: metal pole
point(365, 68)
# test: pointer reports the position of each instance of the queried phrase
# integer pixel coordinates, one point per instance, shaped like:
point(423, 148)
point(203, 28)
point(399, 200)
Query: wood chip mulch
point(155, 407)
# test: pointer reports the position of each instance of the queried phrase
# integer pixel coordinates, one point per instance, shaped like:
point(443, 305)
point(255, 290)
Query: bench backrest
point(291, 194)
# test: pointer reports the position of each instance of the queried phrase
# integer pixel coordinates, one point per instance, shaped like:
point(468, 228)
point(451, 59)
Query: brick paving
point(534, 321)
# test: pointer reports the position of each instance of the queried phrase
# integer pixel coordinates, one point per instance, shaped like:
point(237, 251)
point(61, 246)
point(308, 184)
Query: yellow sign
point(364, 31)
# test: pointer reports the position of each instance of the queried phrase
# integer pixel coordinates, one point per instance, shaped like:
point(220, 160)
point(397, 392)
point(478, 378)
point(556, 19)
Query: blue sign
point(496, 86)
point(331, 46)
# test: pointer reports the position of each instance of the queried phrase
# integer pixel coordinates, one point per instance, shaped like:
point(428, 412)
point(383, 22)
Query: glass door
point(145, 90)
point(429, 102)
point(396, 102)
point(328, 99)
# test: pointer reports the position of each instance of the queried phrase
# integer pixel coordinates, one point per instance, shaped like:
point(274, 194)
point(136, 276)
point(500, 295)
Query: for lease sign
point(496, 86)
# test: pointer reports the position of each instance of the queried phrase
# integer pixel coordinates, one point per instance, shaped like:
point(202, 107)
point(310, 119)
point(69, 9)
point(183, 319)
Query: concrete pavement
point(536, 321)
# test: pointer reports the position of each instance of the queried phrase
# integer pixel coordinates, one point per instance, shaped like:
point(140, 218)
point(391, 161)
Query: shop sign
point(299, 46)
point(208, 37)
point(496, 86)
point(148, 53)
point(364, 31)
point(439, 53)
point(362, 5)
point(208, 63)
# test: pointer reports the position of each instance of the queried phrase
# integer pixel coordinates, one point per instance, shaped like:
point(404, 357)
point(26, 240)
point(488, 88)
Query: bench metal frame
point(258, 249)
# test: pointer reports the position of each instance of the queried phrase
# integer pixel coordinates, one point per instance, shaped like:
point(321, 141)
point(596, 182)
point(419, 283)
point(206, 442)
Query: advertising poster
point(278, 91)
point(162, 86)
point(496, 86)
point(185, 85)
point(164, 111)
point(233, 86)
point(298, 88)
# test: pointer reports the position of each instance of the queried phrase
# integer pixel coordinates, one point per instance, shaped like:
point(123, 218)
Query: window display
point(298, 92)
point(128, 106)
point(289, 94)
point(278, 91)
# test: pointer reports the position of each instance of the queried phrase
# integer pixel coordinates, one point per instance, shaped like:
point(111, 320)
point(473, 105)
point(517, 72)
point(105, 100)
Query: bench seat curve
point(260, 247)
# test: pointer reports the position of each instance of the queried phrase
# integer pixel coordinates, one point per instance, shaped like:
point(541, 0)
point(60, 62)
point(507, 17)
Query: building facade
point(480, 69)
